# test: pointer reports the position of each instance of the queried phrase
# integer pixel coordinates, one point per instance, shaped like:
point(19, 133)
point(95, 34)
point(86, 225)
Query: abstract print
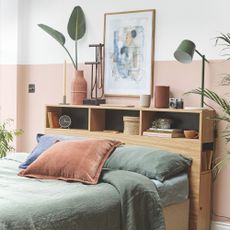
point(128, 53)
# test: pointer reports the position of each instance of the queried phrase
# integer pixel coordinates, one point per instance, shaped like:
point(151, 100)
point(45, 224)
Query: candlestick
point(64, 83)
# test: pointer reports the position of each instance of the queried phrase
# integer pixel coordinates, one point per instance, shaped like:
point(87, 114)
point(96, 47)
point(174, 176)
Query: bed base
point(177, 216)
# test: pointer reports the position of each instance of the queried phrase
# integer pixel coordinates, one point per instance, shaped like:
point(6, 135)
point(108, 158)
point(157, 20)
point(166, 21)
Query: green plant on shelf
point(7, 136)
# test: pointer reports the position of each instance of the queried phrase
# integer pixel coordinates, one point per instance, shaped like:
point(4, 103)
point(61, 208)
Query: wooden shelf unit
point(93, 121)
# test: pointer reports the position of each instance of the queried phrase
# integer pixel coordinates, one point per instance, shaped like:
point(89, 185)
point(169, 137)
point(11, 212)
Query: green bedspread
point(121, 201)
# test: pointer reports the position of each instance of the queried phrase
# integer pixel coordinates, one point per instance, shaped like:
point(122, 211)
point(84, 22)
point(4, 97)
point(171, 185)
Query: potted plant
point(76, 29)
point(6, 137)
point(223, 103)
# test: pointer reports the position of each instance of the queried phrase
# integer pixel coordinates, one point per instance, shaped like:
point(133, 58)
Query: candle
point(64, 79)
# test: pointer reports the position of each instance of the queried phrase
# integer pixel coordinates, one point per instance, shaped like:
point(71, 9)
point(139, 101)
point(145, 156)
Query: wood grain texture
point(177, 213)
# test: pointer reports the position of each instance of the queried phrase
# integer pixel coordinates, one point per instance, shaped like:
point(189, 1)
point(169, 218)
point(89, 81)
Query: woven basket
point(131, 125)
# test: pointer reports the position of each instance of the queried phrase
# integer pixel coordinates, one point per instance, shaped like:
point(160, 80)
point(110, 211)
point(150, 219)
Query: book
point(206, 160)
point(158, 130)
point(163, 134)
point(110, 131)
point(53, 120)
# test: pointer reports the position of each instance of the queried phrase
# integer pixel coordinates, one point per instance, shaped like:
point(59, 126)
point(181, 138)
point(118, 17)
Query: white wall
point(197, 20)
point(9, 55)
point(8, 31)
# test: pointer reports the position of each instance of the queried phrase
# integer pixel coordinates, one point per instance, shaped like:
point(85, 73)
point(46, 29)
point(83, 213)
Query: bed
point(55, 204)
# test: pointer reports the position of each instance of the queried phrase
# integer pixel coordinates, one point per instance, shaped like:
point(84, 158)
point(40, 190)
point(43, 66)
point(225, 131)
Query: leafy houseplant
point(223, 103)
point(6, 137)
point(76, 29)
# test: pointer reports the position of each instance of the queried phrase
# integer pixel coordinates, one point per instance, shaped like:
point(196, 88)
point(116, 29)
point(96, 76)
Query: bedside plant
point(76, 30)
point(6, 137)
point(223, 103)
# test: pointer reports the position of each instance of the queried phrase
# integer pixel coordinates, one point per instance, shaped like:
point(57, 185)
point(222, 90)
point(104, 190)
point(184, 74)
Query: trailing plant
point(6, 137)
point(76, 29)
point(223, 103)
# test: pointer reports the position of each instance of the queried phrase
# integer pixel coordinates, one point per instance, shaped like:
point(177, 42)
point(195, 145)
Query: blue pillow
point(44, 142)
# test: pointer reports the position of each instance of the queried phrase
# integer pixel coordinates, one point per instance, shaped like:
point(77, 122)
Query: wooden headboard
point(95, 120)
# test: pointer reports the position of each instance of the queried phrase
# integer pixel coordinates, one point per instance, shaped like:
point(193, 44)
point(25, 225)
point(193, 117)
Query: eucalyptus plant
point(6, 137)
point(223, 103)
point(76, 29)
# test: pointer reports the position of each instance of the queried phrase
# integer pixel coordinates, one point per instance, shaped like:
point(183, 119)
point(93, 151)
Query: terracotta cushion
point(72, 161)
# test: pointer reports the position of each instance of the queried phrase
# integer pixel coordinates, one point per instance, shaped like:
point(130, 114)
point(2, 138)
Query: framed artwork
point(128, 53)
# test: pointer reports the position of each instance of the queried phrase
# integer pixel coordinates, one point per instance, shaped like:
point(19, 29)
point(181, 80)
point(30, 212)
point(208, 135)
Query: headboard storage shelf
point(79, 116)
point(107, 122)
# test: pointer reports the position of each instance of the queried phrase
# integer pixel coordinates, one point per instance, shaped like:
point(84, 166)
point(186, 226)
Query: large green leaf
point(76, 25)
point(59, 37)
point(222, 102)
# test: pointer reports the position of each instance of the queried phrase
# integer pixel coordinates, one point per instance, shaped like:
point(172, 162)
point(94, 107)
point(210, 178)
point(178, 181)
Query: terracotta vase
point(78, 88)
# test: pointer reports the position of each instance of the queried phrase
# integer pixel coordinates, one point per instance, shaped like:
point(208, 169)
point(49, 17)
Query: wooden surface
point(177, 216)
point(200, 182)
point(205, 200)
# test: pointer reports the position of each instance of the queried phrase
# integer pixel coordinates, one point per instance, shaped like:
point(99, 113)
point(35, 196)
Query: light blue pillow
point(44, 142)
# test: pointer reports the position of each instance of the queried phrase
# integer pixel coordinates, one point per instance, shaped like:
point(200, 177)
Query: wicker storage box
point(131, 125)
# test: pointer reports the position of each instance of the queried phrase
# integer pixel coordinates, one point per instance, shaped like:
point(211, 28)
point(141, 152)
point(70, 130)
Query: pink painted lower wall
point(29, 108)
point(11, 82)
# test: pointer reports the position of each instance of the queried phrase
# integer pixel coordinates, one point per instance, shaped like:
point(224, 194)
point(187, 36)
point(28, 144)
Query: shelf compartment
point(79, 116)
point(180, 120)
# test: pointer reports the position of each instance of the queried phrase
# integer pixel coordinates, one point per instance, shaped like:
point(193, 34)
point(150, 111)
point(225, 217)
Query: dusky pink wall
point(29, 108)
point(11, 100)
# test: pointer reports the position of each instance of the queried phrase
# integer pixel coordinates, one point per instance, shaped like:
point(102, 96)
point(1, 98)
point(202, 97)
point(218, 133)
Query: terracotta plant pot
point(78, 88)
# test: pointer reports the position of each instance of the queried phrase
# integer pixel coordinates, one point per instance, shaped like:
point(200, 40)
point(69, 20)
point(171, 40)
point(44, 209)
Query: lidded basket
point(131, 125)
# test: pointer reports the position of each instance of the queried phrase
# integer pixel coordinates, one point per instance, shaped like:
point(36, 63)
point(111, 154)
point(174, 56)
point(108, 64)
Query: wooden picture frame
point(128, 53)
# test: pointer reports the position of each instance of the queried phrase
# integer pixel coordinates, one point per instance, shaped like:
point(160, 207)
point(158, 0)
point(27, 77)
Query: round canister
point(131, 125)
point(161, 96)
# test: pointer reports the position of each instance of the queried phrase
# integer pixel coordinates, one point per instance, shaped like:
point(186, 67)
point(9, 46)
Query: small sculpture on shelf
point(162, 123)
point(97, 80)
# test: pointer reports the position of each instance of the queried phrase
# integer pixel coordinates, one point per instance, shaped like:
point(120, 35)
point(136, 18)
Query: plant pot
point(78, 88)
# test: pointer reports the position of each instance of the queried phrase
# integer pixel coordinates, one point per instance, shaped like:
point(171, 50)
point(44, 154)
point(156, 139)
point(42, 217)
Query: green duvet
point(121, 201)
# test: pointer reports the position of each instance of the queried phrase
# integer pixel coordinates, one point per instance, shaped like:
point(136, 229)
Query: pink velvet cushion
point(72, 161)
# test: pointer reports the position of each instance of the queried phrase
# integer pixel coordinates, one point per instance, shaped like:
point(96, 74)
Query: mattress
point(117, 202)
point(171, 191)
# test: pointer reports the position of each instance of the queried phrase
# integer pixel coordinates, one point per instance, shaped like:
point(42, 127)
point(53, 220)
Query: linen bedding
point(121, 201)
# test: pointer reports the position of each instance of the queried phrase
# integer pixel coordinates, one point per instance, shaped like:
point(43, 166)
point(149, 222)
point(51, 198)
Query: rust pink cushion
point(72, 161)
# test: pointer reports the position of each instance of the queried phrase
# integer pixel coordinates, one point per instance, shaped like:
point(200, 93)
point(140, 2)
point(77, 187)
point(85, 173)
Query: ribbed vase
point(78, 88)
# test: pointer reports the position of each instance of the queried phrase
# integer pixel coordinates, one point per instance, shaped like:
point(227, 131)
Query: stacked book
point(53, 120)
point(168, 133)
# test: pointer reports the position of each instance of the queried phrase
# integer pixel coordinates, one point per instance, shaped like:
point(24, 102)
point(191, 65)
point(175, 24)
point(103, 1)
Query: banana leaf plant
point(6, 137)
point(76, 29)
point(223, 103)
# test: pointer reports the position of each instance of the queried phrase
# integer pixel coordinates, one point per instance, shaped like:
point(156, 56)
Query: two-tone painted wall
point(28, 55)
